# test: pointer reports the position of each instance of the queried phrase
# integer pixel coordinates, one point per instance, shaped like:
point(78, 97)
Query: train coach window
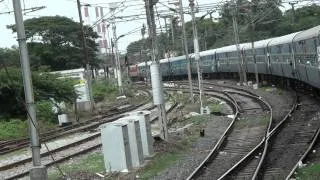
point(260, 51)
point(286, 48)
point(311, 45)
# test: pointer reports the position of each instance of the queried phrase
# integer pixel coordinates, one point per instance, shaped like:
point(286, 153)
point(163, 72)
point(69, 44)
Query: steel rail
point(315, 138)
point(249, 94)
point(218, 144)
point(269, 135)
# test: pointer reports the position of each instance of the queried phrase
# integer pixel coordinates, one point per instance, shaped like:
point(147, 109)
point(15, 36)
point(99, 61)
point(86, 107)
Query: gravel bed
point(183, 167)
point(46, 160)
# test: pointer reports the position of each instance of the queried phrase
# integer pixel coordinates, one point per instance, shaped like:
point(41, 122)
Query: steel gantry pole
point(116, 53)
point(156, 78)
point(85, 50)
point(37, 172)
point(236, 37)
point(186, 51)
point(197, 53)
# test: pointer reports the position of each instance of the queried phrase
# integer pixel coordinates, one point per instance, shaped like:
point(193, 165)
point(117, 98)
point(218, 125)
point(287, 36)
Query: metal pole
point(236, 37)
point(85, 50)
point(172, 31)
point(37, 171)
point(161, 106)
point(254, 55)
point(197, 52)
point(293, 11)
point(186, 51)
point(116, 53)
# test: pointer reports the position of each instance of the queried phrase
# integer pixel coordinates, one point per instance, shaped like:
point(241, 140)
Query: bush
point(101, 90)
point(45, 86)
point(13, 129)
point(44, 111)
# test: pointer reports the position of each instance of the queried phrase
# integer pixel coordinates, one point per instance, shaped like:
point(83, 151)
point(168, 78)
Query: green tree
point(305, 17)
point(46, 86)
point(9, 57)
point(55, 43)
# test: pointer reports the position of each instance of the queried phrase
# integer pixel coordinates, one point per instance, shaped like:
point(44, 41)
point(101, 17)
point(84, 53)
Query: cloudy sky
point(69, 8)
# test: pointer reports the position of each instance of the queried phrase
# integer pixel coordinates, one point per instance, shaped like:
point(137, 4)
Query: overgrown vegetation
point(215, 107)
point(311, 172)
point(92, 163)
point(180, 97)
point(102, 90)
point(13, 129)
point(159, 163)
point(45, 86)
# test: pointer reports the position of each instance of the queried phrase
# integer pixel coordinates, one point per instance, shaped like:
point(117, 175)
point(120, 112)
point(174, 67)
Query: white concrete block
point(116, 147)
point(134, 140)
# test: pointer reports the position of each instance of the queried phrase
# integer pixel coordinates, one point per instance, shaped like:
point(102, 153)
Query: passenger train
point(295, 56)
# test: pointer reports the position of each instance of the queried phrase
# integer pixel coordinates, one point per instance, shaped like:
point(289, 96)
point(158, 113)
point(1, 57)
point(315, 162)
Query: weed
point(309, 173)
point(159, 163)
point(13, 129)
point(92, 163)
point(102, 90)
point(215, 108)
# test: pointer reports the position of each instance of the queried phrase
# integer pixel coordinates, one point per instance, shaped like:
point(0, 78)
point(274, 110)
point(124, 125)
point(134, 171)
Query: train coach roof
point(207, 52)
point(262, 43)
point(307, 34)
point(245, 46)
point(230, 48)
point(282, 39)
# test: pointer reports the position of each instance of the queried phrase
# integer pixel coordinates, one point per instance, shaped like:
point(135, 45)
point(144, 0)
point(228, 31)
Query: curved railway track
point(237, 140)
point(285, 145)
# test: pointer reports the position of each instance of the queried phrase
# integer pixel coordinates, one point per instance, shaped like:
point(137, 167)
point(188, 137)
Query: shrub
point(44, 111)
point(13, 129)
point(101, 89)
point(45, 86)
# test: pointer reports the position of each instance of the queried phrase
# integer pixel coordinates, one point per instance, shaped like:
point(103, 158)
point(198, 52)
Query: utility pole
point(186, 51)
point(254, 55)
point(293, 11)
point(116, 53)
point(252, 36)
point(156, 78)
point(197, 52)
point(172, 31)
point(37, 172)
point(143, 53)
point(236, 37)
point(85, 50)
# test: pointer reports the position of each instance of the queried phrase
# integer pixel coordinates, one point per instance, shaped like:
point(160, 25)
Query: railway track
point(238, 139)
point(61, 154)
point(284, 147)
point(291, 141)
point(234, 143)
point(111, 115)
